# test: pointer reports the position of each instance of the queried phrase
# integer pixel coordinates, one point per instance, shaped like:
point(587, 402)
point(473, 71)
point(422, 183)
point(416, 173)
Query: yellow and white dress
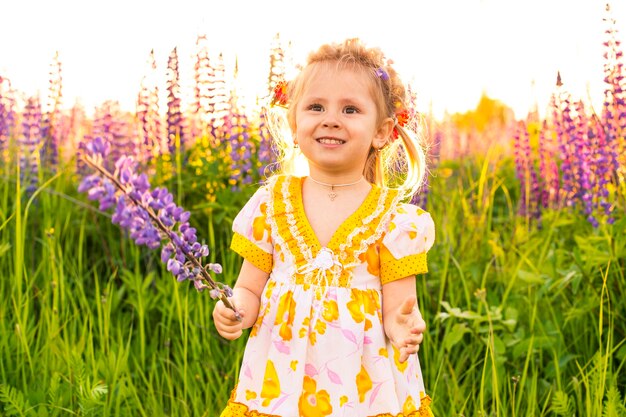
point(318, 347)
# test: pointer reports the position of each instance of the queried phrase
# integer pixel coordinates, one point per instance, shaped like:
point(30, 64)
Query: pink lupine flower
point(175, 131)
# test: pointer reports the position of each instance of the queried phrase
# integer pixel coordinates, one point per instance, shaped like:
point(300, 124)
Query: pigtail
point(401, 164)
point(415, 156)
point(281, 140)
point(403, 160)
point(373, 171)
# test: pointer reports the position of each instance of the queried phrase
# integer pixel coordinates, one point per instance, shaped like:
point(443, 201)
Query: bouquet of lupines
point(151, 218)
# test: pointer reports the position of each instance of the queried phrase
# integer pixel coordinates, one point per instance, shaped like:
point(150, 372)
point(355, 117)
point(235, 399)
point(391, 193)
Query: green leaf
point(613, 406)
point(14, 402)
point(593, 249)
point(562, 404)
point(454, 335)
point(98, 391)
point(458, 313)
point(530, 277)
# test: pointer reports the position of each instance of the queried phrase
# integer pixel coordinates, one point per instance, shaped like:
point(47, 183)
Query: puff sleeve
point(252, 233)
point(411, 233)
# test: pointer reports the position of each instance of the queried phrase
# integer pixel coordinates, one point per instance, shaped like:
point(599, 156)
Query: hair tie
point(382, 74)
point(401, 118)
point(279, 96)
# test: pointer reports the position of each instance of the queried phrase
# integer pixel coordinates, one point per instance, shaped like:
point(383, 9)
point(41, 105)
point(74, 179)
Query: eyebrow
point(350, 100)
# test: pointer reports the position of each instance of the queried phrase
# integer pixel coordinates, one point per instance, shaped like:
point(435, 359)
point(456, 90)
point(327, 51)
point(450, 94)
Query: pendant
point(332, 195)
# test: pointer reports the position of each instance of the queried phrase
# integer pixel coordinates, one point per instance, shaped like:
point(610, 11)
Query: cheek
point(303, 126)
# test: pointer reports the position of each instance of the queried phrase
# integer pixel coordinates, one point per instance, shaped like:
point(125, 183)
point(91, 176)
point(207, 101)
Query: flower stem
point(93, 162)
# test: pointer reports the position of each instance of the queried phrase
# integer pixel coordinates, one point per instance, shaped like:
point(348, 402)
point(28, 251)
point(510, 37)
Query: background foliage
point(525, 297)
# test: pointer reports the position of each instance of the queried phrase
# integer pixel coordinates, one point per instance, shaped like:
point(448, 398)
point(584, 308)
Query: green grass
point(524, 320)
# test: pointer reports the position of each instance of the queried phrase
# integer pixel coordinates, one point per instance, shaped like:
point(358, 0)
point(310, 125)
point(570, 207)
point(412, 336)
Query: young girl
point(328, 278)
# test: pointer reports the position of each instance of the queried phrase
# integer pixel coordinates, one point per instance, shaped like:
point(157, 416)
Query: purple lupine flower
point(51, 123)
point(525, 168)
point(152, 141)
point(520, 139)
point(7, 114)
point(151, 217)
point(241, 148)
point(112, 126)
point(549, 154)
point(602, 174)
point(583, 163)
point(175, 131)
point(567, 127)
point(217, 94)
point(613, 112)
point(584, 157)
point(615, 78)
point(544, 158)
point(606, 168)
point(29, 143)
point(535, 196)
point(201, 108)
point(541, 153)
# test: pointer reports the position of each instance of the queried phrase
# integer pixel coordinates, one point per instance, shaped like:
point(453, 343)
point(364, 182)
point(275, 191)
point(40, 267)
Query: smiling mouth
point(330, 141)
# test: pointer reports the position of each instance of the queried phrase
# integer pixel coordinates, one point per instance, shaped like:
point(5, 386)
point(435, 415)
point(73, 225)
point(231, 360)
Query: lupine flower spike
point(151, 217)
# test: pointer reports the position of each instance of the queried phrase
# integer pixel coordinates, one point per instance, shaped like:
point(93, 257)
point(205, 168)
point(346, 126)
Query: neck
point(332, 193)
point(334, 184)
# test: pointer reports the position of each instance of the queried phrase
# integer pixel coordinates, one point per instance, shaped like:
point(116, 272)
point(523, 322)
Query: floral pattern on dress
point(285, 315)
point(318, 346)
point(271, 384)
point(313, 403)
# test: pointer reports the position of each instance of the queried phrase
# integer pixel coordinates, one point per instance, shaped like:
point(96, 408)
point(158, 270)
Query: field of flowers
point(525, 298)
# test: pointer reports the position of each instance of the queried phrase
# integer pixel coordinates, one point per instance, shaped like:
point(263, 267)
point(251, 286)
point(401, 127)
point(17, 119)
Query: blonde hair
point(401, 163)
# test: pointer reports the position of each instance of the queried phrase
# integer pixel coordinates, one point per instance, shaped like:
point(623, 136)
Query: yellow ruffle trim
point(293, 226)
point(234, 409)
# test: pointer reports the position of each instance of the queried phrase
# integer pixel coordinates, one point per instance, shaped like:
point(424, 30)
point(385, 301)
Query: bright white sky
point(451, 50)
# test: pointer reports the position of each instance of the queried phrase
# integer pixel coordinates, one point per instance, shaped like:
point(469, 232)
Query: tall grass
point(90, 324)
point(524, 319)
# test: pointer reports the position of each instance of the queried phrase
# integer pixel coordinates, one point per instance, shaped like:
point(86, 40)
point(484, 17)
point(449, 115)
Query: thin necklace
point(332, 194)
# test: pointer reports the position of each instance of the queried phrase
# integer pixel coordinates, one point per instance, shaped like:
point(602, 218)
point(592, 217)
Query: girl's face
point(337, 122)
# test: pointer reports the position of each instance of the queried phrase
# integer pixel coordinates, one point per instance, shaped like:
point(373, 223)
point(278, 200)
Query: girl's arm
point(246, 299)
point(402, 320)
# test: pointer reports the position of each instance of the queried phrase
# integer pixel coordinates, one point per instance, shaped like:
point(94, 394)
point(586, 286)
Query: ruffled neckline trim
point(294, 234)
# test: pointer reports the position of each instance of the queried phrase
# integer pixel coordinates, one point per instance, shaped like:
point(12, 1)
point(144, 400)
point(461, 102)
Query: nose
point(330, 120)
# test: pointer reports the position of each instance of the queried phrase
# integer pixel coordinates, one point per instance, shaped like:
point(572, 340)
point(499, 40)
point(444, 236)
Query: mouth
point(330, 141)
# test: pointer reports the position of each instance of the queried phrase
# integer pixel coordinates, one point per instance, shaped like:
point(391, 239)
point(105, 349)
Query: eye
point(351, 110)
point(315, 107)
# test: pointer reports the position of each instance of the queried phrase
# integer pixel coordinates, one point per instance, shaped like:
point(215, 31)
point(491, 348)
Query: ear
point(383, 133)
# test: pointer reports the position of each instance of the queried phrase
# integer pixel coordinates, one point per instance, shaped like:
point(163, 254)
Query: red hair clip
point(279, 96)
point(402, 118)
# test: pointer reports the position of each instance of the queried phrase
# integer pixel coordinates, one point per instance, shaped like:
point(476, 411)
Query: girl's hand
point(406, 329)
point(247, 292)
point(226, 323)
